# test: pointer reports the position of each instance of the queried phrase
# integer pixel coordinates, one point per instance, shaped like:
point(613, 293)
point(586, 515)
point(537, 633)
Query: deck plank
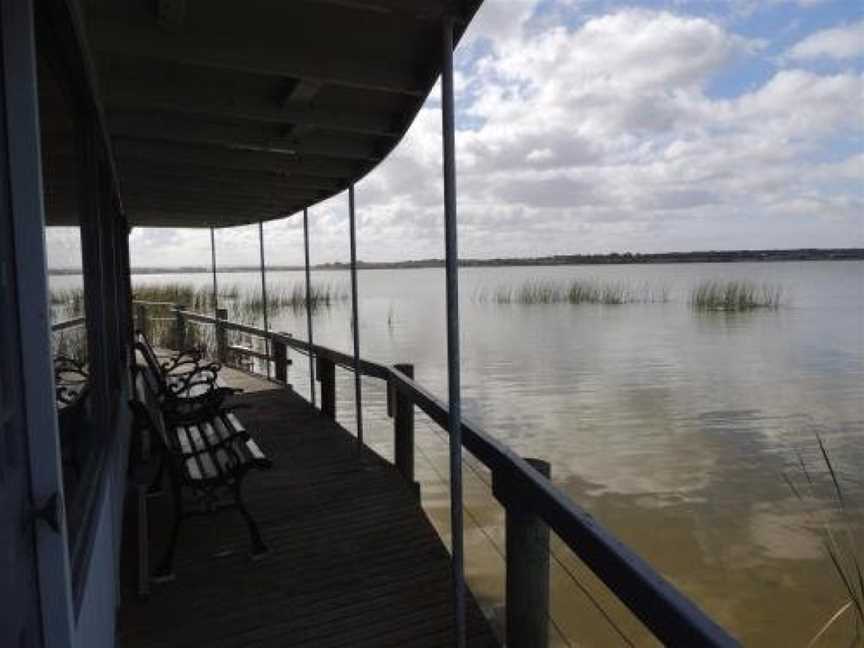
point(353, 560)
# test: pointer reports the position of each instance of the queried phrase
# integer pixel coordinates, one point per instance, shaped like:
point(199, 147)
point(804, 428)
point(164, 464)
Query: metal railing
point(517, 484)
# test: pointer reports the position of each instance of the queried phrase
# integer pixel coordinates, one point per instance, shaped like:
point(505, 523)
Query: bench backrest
point(144, 351)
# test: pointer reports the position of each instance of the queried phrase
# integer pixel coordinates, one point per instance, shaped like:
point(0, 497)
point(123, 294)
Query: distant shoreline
point(615, 258)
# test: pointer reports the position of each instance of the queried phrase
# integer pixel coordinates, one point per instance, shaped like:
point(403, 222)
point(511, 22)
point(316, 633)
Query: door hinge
point(49, 512)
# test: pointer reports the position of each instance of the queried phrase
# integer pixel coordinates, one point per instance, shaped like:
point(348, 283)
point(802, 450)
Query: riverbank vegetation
point(244, 305)
point(735, 296)
point(69, 302)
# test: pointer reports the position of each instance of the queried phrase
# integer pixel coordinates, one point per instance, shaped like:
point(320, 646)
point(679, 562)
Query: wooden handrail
point(665, 611)
point(67, 324)
point(142, 302)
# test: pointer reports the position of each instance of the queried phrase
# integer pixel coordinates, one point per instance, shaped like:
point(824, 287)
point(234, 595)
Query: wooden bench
point(207, 454)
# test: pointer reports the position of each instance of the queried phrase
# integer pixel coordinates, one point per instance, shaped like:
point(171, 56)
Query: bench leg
point(258, 546)
point(143, 542)
point(156, 485)
point(165, 571)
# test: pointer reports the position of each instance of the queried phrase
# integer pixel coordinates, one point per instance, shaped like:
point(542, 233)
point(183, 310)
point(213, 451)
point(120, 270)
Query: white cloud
point(603, 136)
point(844, 42)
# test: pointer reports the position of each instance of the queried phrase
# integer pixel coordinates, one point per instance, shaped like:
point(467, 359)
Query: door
point(20, 620)
point(35, 596)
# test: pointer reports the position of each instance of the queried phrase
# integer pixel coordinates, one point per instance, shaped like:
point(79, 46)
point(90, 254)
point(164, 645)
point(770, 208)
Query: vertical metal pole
point(355, 319)
point(453, 368)
point(213, 267)
point(309, 305)
point(264, 294)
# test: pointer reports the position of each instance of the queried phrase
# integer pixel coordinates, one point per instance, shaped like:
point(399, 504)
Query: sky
point(591, 126)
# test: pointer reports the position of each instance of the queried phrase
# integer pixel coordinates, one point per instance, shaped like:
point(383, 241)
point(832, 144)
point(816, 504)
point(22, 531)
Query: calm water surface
point(673, 428)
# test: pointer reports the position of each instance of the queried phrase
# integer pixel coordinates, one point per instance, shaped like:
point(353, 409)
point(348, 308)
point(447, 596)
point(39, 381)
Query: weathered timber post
point(141, 316)
point(403, 431)
point(527, 552)
point(326, 375)
point(280, 359)
point(221, 335)
point(179, 328)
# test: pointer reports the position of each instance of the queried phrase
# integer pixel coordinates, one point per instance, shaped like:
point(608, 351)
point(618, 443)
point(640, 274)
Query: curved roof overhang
point(224, 113)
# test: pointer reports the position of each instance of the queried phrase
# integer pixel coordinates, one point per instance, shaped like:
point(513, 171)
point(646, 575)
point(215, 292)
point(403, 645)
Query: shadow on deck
point(353, 559)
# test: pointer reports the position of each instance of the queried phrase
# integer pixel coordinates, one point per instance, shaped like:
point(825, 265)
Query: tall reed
point(735, 296)
point(820, 489)
point(244, 305)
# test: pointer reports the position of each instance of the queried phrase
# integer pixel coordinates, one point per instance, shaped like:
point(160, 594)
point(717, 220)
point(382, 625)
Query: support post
point(221, 335)
point(213, 269)
point(141, 316)
point(179, 328)
point(327, 378)
point(527, 558)
point(403, 431)
point(309, 307)
point(454, 387)
point(127, 288)
point(280, 360)
point(355, 320)
point(264, 304)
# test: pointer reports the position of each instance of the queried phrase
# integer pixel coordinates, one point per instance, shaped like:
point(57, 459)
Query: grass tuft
point(838, 538)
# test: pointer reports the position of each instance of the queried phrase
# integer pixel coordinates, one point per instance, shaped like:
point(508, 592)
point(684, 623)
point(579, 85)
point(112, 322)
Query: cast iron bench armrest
point(187, 356)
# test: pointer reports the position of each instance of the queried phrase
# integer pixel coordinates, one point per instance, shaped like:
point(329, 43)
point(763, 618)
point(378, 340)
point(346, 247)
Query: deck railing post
point(326, 373)
point(179, 328)
point(454, 379)
point(527, 563)
point(141, 316)
point(403, 431)
point(280, 359)
point(221, 335)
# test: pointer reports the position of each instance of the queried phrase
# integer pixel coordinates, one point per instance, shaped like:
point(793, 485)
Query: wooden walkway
point(353, 559)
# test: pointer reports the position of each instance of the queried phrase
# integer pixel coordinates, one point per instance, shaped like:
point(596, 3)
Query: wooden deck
point(353, 559)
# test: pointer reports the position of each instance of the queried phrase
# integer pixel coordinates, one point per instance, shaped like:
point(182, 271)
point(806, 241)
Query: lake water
point(673, 428)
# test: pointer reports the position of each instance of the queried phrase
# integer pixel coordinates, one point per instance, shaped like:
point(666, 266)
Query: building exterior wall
point(95, 621)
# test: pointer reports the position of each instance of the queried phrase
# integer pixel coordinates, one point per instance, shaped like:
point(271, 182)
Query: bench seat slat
point(225, 431)
point(235, 422)
point(230, 425)
point(208, 468)
point(220, 429)
point(191, 464)
point(220, 456)
point(255, 451)
point(183, 439)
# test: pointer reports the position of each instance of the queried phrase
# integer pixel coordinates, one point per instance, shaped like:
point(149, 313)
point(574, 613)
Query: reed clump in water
point(735, 296)
point(320, 296)
point(577, 291)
